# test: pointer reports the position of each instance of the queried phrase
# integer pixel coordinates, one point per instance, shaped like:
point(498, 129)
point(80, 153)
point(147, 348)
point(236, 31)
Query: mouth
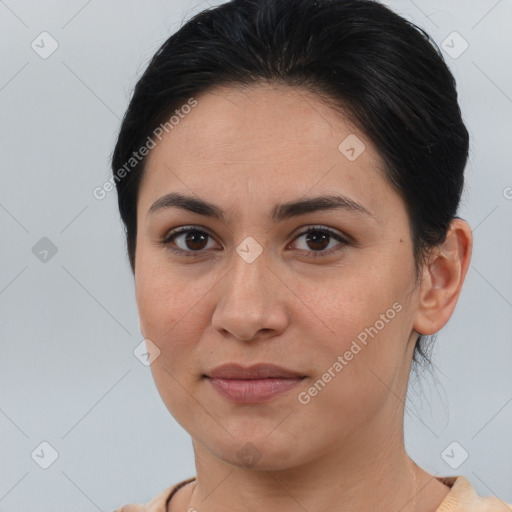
point(254, 384)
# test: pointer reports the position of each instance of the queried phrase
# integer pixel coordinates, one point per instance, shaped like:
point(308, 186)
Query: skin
point(246, 150)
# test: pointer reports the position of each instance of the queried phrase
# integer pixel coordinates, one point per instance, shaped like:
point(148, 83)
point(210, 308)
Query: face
point(323, 289)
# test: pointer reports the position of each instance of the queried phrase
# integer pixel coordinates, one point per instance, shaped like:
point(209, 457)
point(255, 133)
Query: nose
point(251, 300)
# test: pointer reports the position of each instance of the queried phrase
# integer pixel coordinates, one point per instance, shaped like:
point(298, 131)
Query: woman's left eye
point(319, 238)
point(195, 240)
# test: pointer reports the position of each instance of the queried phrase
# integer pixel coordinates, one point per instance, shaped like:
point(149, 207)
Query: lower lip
point(245, 391)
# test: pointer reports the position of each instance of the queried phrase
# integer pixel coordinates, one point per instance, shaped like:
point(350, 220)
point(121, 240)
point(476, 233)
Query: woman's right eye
point(187, 241)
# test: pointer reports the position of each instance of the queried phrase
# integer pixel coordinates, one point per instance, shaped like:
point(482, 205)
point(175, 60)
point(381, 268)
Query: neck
point(357, 475)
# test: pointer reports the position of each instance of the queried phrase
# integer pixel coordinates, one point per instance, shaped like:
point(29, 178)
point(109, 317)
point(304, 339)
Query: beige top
point(461, 498)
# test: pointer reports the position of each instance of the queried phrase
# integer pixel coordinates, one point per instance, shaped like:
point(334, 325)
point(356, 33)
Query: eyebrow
point(279, 212)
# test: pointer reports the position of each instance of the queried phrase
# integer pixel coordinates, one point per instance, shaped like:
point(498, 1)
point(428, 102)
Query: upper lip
point(257, 371)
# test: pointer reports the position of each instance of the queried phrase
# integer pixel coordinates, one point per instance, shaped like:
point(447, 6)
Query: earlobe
point(442, 278)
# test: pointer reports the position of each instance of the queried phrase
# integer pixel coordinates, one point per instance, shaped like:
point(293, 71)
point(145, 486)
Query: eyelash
point(312, 254)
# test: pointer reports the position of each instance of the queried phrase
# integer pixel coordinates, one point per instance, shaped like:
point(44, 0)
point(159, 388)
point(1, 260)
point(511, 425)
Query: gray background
point(69, 325)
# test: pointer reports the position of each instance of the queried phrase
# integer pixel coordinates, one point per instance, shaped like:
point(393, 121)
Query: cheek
point(168, 301)
point(345, 304)
point(169, 312)
point(366, 324)
point(354, 374)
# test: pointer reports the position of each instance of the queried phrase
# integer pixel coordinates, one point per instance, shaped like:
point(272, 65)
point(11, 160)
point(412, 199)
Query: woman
point(289, 174)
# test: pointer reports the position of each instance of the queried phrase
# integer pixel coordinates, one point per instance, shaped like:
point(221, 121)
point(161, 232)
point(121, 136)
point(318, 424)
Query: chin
point(257, 452)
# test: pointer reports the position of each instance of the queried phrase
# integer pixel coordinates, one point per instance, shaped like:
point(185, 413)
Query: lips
point(258, 371)
point(257, 383)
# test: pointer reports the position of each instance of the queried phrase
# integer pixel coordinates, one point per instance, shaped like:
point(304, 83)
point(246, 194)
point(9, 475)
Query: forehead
point(263, 142)
point(254, 122)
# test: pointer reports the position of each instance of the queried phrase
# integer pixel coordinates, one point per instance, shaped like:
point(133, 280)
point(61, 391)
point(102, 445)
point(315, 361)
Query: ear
point(442, 278)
